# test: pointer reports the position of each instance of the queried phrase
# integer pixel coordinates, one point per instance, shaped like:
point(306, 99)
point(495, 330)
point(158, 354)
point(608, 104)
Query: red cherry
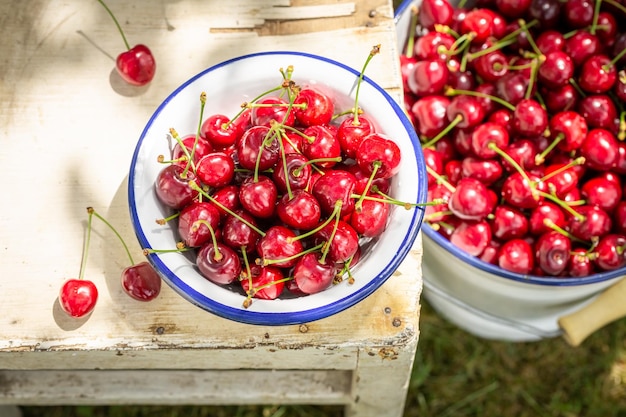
point(597, 75)
point(516, 255)
point(78, 297)
point(279, 247)
point(253, 142)
point(470, 200)
point(471, 236)
point(593, 224)
point(220, 132)
point(300, 211)
point(172, 187)
point(601, 192)
point(378, 155)
point(335, 186)
point(266, 282)
point(545, 211)
point(201, 148)
point(270, 109)
point(351, 132)
point(610, 252)
point(311, 275)
point(216, 169)
point(371, 220)
point(580, 263)
point(218, 263)
point(321, 143)
point(552, 252)
point(433, 12)
point(259, 196)
point(341, 238)
point(137, 65)
point(508, 223)
point(529, 118)
point(197, 234)
point(600, 149)
point(141, 282)
point(240, 231)
point(318, 110)
point(430, 115)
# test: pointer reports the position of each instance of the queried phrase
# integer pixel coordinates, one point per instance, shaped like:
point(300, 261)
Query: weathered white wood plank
point(174, 387)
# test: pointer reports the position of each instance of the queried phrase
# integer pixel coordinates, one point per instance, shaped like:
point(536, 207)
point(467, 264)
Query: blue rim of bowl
point(492, 269)
point(302, 316)
point(528, 279)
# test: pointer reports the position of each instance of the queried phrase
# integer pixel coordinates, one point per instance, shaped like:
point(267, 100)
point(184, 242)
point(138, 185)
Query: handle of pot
point(609, 306)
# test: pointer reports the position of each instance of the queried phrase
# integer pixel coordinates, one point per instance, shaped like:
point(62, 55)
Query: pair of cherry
point(78, 296)
point(520, 106)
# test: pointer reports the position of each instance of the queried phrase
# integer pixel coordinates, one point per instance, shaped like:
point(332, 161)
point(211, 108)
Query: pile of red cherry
point(520, 106)
point(281, 197)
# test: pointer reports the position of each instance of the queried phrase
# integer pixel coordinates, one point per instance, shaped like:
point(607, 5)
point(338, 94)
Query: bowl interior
point(227, 86)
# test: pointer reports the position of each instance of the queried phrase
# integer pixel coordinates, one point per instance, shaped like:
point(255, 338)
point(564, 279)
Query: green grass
point(457, 374)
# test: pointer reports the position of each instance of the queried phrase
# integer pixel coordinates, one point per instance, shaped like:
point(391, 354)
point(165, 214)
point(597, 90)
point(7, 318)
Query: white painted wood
point(68, 127)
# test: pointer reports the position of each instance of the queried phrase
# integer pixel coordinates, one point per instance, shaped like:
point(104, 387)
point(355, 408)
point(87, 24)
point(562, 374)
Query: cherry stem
point(272, 134)
point(91, 211)
point(454, 92)
point(83, 263)
point(614, 61)
point(410, 45)
point(196, 187)
point(266, 262)
point(578, 161)
point(297, 171)
point(616, 4)
point(246, 263)
point(440, 179)
point(549, 223)
point(185, 151)
point(359, 203)
point(577, 87)
point(457, 119)
point(562, 204)
point(283, 158)
point(541, 157)
point(119, 28)
point(335, 214)
point(195, 142)
point(596, 12)
point(375, 51)
point(194, 227)
point(390, 200)
point(492, 146)
point(167, 219)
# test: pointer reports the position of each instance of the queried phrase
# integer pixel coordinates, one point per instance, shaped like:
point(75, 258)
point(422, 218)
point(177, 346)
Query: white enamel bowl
point(486, 300)
point(228, 85)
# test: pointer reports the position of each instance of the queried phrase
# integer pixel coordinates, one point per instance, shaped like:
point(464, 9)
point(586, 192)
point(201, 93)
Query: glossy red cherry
point(218, 263)
point(471, 236)
point(371, 220)
point(172, 186)
point(597, 75)
point(259, 196)
point(335, 185)
point(508, 223)
point(78, 297)
point(600, 149)
point(279, 247)
point(300, 211)
point(341, 239)
point(545, 211)
point(312, 275)
point(265, 282)
point(433, 12)
point(220, 132)
point(194, 222)
point(552, 252)
point(318, 110)
point(271, 108)
point(611, 252)
point(241, 231)
point(141, 282)
point(516, 255)
point(216, 169)
point(470, 200)
point(379, 155)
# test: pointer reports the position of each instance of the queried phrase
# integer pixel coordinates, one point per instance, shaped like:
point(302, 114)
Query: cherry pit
point(520, 107)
